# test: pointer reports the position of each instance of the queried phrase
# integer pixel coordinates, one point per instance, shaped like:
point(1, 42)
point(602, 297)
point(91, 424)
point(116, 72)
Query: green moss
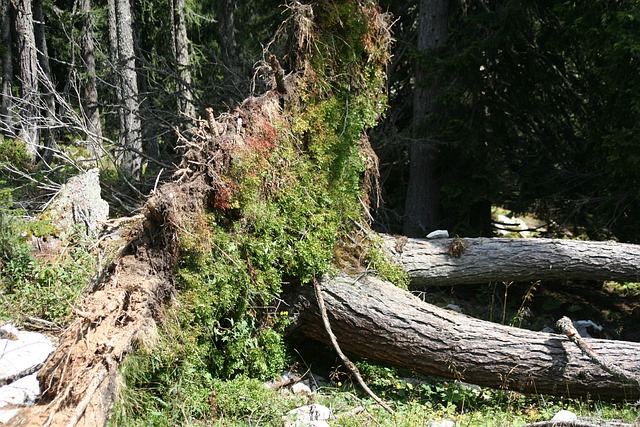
point(291, 195)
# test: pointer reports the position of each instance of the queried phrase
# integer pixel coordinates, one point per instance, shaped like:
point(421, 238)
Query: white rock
point(7, 414)
point(582, 325)
point(454, 307)
point(24, 391)
point(443, 423)
point(438, 234)
point(29, 350)
point(305, 414)
point(564, 415)
point(300, 387)
point(507, 225)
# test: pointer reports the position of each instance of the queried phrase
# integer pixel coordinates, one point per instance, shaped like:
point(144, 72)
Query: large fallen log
point(80, 380)
point(375, 320)
point(446, 262)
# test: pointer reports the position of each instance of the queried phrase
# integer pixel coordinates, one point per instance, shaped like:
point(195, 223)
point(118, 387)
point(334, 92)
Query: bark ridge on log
point(375, 320)
point(482, 260)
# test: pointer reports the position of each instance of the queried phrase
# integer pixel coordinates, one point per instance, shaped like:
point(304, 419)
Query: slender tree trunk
point(448, 262)
point(91, 108)
point(422, 202)
point(181, 58)
point(378, 321)
point(47, 86)
point(6, 119)
point(229, 55)
point(227, 30)
point(121, 37)
point(29, 94)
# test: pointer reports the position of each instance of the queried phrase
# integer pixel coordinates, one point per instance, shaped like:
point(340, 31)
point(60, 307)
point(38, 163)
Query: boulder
point(78, 207)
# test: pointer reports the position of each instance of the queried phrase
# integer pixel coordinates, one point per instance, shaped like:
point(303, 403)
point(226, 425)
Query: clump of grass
point(41, 288)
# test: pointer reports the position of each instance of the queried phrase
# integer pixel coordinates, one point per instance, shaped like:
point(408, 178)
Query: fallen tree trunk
point(80, 379)
point(447, 262)
point(380, 322)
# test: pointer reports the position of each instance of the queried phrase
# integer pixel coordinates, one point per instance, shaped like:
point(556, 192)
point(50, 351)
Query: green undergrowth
point(417, 401)
point(287, 209)
point(45, 284)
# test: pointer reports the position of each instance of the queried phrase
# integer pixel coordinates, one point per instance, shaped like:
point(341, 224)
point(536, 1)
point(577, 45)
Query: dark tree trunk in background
point(47, 86)
point(90, 107)
point(422, 202)
point(375, 320)
point(181, 57)
point(28, 62)
point(6, 119)
point(449, 262)
point(231, 62)
point(227, 31)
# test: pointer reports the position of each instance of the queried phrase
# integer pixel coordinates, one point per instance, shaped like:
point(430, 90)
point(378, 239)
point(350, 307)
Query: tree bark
point(28, 60)
point(181, 58)
point(225, 13)
point(47, 86)
point(423, 202)
point(435, 262)
point(90, 108)
point(375, 320)
point(6, 119)
point(121, 33)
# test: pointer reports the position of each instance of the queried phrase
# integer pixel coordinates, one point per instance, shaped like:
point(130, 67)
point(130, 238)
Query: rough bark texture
point(47, 87)
point(6, 121)
point(181, 57)
point(446, 262)
point(130, 126)
point(422, 202)
point(29, 96)
point(378, 321)
point(90, 108)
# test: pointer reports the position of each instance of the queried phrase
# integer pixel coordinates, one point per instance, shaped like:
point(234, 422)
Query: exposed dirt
point(121, 310)
point(80, 379)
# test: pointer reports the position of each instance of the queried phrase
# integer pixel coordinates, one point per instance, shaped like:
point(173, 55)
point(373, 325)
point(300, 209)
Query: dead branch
point(348, 363)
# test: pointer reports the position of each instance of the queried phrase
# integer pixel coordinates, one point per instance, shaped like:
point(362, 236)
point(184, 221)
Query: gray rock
point(438, 234)
point(78, 206)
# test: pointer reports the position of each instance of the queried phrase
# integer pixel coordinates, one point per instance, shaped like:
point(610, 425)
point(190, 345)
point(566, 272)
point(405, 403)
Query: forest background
point(535, 108)
point(528, 106)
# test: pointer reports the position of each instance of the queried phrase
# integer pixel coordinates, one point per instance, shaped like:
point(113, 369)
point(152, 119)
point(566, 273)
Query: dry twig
point(566, 326)
point(348, 363)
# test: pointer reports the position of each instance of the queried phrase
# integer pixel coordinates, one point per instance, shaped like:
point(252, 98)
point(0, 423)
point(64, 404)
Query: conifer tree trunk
point(28, 74)
point(229, 55)
point(450, 262)
point(47, 86)
point(380, 322)
point(422, 202)
point(121, 37)
point(181, 58)
point(6, 119)
point(90, 107)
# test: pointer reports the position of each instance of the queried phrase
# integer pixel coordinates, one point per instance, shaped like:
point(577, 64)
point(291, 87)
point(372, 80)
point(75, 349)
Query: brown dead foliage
point(121, 309)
